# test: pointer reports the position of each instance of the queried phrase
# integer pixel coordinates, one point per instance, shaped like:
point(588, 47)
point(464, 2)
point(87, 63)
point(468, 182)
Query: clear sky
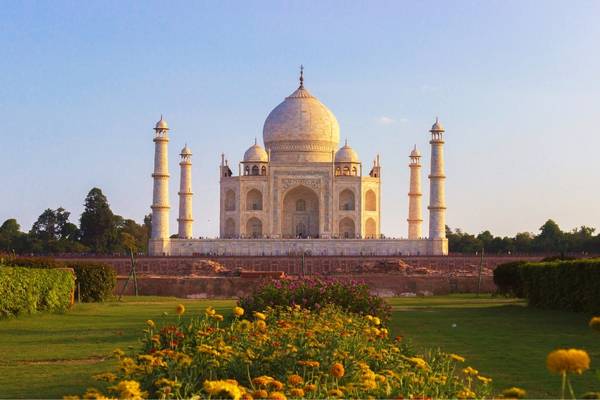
point(516, 84)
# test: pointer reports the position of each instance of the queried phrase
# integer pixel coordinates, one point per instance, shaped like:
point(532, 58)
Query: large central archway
point(300, 213)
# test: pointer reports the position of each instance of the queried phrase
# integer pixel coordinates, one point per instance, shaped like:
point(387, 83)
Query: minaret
point(437, 192)
point(185, 195)
point(415, 214)
point(160, 200)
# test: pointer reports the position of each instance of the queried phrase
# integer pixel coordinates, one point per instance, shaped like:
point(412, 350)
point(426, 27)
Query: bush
point(563, 285)
point(28, 290)
point(507, 278)
point(96, 280)
point(313, 293)
point(291, 352)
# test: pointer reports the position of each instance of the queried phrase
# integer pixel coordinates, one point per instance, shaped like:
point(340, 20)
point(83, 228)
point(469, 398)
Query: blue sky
point(516, 83)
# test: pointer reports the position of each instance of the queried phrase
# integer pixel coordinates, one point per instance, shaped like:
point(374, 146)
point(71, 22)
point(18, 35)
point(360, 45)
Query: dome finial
point(255, 141)
point(301, 76)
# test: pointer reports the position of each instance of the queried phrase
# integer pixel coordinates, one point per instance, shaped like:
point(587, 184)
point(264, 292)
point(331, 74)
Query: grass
point(502, 338)
point(50, 355)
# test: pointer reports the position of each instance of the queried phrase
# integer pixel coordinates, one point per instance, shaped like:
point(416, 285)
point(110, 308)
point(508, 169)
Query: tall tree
point(10, 232)
point(97, 223)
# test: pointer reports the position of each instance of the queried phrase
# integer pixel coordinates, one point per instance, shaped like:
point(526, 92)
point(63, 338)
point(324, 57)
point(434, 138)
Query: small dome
point(186, 151)
point(437, 127)
point(162, 124)
point(415, 152)
point(256, 153)
point(346, 154)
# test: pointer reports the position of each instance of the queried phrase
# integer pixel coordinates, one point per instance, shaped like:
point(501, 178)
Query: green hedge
point(28, 290)
point(507, 278)
point(563, 285)
point(96, 280)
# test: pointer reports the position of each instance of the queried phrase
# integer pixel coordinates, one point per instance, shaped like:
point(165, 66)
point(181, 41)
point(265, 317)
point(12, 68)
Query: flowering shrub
point(294, 352)
point(313, 293)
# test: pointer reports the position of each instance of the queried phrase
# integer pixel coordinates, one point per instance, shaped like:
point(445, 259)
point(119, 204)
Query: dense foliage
point(313, 293)
point(100, 231)
point(96, 281)
point(293, 352)
point(564, 285)
point(28, 290)
point(507, 278)
point(550, 240)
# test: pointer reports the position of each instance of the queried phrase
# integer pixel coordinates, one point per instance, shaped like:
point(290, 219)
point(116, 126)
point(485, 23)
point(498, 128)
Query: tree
point(10, 233)
point(550, 238)
point(98, 224)
point(53, 233)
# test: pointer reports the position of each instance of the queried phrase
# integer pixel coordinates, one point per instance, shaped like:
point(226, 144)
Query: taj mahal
point(299, 194)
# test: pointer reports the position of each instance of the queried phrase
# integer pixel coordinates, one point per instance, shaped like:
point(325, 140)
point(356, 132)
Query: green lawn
point(52, 355)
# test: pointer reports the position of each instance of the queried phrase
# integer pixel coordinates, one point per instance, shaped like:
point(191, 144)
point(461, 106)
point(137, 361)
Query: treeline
point(100, 231)
point(550, 240)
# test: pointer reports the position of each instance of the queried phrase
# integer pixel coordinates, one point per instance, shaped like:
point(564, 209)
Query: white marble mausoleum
point(300, 193)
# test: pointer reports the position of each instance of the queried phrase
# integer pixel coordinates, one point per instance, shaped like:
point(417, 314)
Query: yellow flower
point(260, 394)
point(94, 394)
point(466, 394)
point(571, 360)
point(118, 353)
point(369, 384)
point(129, 390)
point(335, 393)
point(470, 371)
point(376, 321)
point(277, 396)
point(260, 315)
point(151, 323)
point(210, 311)
point(310, 364)
point(295, 380)
point(228, 386)
point(217, 317)
point(261, 325)
point(166, 382)
point(297, 392)
point(456, 357)
point(484, 380)
point(514, 393)
point(238, 311)
point(595, 323)
point(180, 309)
point(337, 370)
point(419, 362)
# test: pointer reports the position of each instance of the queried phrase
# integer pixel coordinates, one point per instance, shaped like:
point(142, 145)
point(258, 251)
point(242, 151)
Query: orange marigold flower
point(295, 380)
point(180, 309)
point(276, 384)
point(337, 370)
point(277, 396)
point(335, 393)
point(571, 360)
point(311, 387)
point(595, 323)
point(260, 394)
point(297, 392)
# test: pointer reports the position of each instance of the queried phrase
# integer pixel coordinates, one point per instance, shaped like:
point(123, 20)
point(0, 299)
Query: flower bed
point(313, 293)
point(290, 352)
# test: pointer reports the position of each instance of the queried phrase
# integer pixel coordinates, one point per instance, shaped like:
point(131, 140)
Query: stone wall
point(198, 276)
point(292, 265)
point(385, 285)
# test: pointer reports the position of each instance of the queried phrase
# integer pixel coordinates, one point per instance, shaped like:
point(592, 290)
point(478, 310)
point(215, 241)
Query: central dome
point(301, 129)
